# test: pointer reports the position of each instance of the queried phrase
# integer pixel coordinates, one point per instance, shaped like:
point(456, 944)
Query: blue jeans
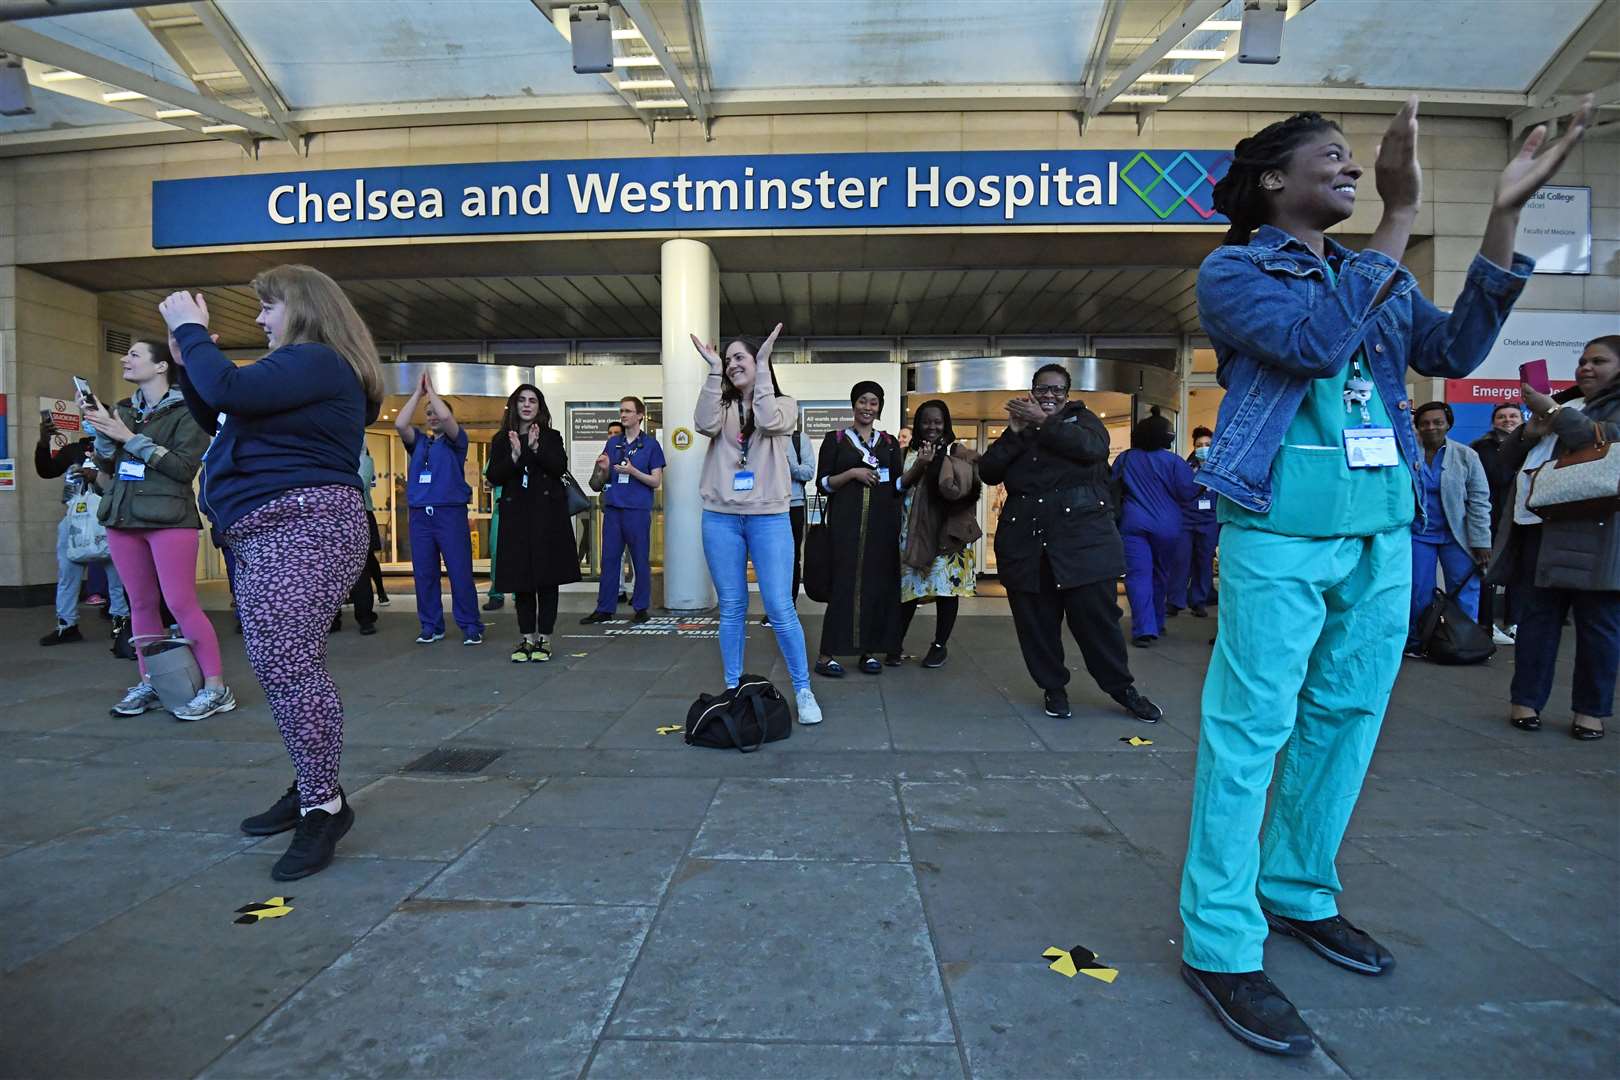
point(70, 576)
point(1455, 562)
point(729, 540)
point(622, 528)
point(1597, 648)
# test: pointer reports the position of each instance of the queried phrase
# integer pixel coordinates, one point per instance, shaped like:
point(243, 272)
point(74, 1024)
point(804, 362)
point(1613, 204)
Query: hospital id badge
point(624, 478)
point(1370, 448)
point(883, 476)
point(131, 470)
point(742, 481)
point(1206, 504)
point(424, 478)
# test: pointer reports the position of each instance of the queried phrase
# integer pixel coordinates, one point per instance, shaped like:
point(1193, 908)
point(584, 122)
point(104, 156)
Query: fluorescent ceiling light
point(1228, 25)
point(635, 61)
point(1168, 77)
point(631, 34)
point(661, 103)
point(60, 76)
point(123, 95)
point(646, 84)
point(218, 129)
point(1195, 54)
point(175, 114)
point(1142, 99)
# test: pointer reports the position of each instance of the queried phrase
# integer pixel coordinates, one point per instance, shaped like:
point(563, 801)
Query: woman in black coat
point(535, 538)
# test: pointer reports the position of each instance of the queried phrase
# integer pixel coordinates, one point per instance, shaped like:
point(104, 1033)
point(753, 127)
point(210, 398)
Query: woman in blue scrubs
point(437, 493)
point(1156, 483)
point(1313, 465)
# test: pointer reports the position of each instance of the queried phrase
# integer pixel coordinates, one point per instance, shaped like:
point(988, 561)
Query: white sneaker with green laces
point(209, 700)
point(140, 698)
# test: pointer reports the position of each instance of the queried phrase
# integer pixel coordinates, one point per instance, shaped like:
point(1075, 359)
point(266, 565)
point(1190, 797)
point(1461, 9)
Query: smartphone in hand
point(1534, 375)
point(85, 394)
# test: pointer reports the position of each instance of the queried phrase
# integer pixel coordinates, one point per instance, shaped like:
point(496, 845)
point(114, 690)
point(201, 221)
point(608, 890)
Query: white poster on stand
point(1555, 229)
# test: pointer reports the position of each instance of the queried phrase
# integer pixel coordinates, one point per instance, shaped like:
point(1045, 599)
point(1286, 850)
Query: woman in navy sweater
point(280, 487)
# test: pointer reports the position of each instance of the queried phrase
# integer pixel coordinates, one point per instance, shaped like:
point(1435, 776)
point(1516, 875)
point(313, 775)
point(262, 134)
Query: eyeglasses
point(1050, 391)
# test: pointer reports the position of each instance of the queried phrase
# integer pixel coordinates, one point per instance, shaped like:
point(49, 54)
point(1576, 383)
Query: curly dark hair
point(1238, 194)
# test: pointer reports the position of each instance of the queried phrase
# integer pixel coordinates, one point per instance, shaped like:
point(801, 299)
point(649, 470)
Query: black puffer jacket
point(1057, 502)
point(1582, 555)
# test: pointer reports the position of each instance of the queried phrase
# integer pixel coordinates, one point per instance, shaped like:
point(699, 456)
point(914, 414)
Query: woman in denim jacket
point(1313, 466)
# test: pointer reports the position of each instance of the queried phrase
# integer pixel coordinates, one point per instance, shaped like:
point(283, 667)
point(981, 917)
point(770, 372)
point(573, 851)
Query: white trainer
point(1500, 636)
point(809, 711)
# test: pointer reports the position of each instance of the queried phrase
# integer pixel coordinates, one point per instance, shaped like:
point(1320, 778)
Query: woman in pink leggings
point(148, 449)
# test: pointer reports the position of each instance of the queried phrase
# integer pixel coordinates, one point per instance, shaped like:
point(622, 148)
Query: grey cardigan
point(1466, 495)
point(1583, 555)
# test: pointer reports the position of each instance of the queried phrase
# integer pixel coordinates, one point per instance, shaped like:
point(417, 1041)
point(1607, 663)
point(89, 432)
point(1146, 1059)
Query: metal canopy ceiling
point(861, 303)
point(287, 68)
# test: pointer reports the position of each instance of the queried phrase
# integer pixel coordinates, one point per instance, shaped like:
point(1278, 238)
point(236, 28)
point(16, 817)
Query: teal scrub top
point(1314, 493)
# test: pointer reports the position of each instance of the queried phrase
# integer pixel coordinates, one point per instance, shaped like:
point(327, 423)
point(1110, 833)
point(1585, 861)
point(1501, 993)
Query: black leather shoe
point(1585, 734)
point(314, 844)
point(1057, 704)
point(1143, 642)
point(1138, 706)
point(1336, 940)
point(1528, 723)
point(832, 669)
point(936, 656)
point(596, 617)
point(367, 629)
point(1199, 611)
point(1253, 1010)
point(641, 616)
point(278, 819)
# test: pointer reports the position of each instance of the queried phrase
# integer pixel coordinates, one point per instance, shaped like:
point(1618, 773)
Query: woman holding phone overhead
point(1313, 462)
point(280, 484)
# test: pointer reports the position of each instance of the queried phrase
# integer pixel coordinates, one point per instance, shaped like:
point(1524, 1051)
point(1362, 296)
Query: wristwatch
point(1550, 412)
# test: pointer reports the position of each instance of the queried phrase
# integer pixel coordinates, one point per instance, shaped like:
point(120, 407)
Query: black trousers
point(1093, 615)
point(537, 611)
point(796, 519)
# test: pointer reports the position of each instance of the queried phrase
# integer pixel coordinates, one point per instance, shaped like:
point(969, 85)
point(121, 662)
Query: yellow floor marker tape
point(578, 655)
point(273, 908)
point(1079, 961)
point(1136, 740)
point(671, 729)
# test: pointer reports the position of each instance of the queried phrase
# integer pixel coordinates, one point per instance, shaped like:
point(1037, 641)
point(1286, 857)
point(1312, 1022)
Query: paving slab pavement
point(869, 898)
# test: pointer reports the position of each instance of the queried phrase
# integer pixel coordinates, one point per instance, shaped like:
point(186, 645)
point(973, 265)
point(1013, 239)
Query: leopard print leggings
point(297, 557)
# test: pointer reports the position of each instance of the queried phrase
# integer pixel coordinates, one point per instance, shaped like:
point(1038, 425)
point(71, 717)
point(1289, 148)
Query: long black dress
point(536, 539)
point(863, 613)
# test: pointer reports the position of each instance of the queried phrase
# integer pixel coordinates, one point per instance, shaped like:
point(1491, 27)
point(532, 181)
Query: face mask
point(1201, 453)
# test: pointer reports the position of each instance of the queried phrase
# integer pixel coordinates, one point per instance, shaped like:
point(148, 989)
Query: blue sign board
point(778, 191)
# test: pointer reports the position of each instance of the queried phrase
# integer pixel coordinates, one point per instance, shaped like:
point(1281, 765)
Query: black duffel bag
point(747, 717)
point(1447, 635)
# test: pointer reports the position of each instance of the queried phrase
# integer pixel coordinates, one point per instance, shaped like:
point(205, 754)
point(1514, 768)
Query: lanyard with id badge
point(1369, 446)
point(868, 458)
point(743, 479)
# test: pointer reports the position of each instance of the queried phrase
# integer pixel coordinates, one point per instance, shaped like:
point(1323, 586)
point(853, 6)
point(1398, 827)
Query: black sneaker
point(314, 844)
point(1253, 1010)
point(596, 617)
point(641, 616)
point(494, 603)
point(367, 629)
point(62, 635)
point(1199, 611)
point(1138, 706)
point(278, 819)
point(936, 656)
point(1338, 941)
point(1057, 704)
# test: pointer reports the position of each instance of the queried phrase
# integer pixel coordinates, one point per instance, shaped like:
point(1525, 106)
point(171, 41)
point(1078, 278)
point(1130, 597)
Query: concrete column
point(690, 297)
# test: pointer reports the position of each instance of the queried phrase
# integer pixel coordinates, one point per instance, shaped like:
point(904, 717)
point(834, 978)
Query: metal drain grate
point(454, 759)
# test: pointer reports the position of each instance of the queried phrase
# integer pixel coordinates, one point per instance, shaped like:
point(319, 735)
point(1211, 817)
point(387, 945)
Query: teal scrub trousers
point(1308, 650)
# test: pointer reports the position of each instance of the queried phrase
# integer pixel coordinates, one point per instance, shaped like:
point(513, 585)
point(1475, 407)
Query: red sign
point(1489, 391)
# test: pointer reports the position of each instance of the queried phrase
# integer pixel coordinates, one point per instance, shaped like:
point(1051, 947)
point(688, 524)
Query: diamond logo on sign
point(1170, 187)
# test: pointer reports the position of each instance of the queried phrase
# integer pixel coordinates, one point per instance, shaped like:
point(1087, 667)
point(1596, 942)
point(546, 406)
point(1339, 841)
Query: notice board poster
point(821, 417)
point(587, 434)
point(1555, 229)
point(65, 419)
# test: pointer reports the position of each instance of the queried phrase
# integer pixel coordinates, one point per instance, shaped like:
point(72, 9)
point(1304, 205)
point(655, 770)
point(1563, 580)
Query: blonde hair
point(317, 310)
